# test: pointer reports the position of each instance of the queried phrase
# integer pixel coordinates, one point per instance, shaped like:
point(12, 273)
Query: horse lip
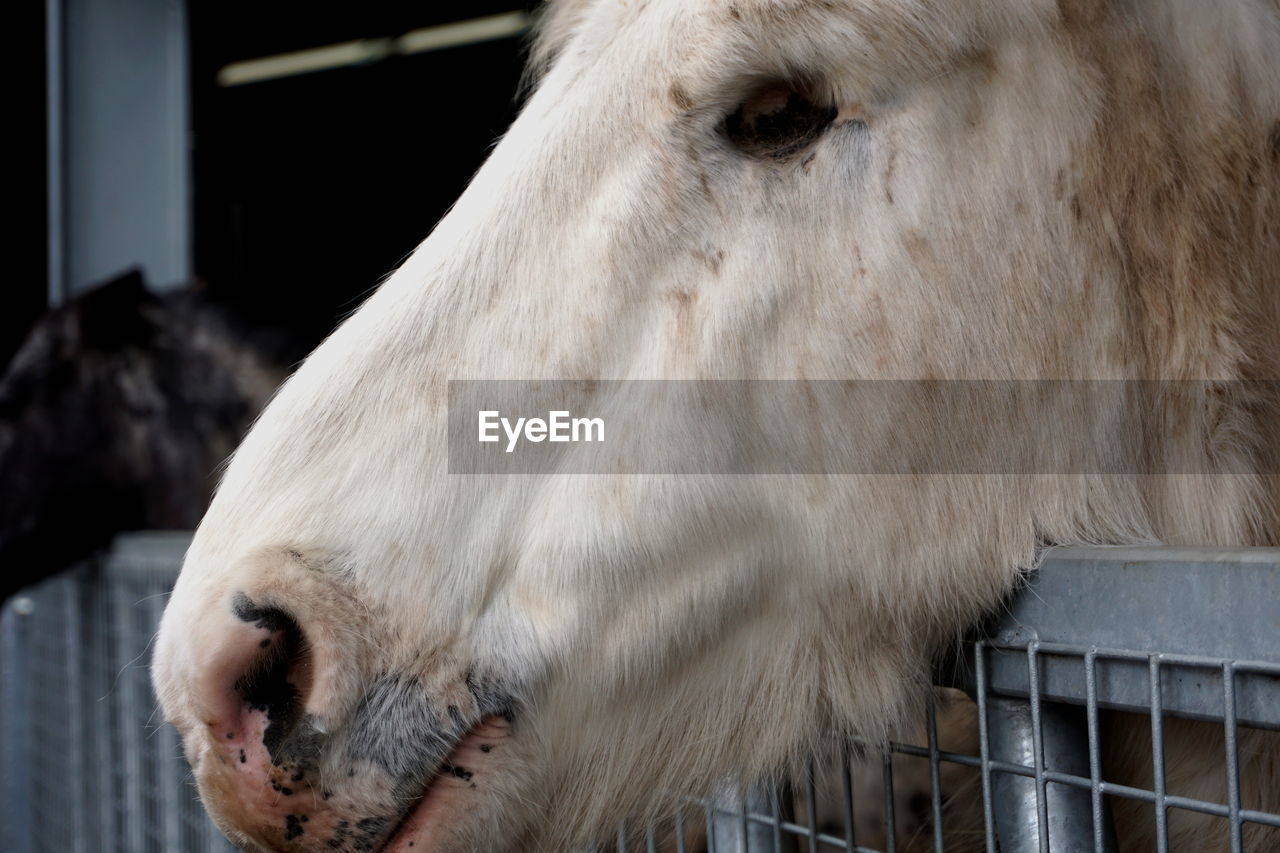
point(412, 807)
point(447, 766)
point(431, 779)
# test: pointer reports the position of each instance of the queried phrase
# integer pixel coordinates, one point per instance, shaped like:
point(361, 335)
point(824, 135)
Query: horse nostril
point(263, 665)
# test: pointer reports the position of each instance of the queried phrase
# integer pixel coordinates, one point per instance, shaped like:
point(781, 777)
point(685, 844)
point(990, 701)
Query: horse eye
point(777, 121)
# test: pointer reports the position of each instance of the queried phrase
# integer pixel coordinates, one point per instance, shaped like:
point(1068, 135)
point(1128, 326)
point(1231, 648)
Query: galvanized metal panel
point(86, 763)
point(1191, 607)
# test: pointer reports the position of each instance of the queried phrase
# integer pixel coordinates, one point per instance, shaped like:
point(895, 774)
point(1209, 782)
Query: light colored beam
point(364, 51)
point(474, 31)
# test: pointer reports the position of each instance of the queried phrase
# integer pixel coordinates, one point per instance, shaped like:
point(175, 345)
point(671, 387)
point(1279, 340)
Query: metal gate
point(1164, 634)
point(88, 766)
point(1161, 634)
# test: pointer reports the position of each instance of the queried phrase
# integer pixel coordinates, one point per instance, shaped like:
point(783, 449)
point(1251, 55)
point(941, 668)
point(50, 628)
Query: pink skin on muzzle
point(279, 807)
point(456, 790)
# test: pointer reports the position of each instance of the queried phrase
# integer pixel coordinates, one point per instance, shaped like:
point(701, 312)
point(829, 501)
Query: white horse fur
point(1010, 189)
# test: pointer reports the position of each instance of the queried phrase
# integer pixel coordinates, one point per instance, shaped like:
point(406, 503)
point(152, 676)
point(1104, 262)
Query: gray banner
point(855, 427)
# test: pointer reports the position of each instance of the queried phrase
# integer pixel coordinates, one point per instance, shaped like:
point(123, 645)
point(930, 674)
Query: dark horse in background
point(116, 413)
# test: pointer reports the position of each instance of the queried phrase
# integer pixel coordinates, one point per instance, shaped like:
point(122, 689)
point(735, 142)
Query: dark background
point(307, 190)
point(26, 286)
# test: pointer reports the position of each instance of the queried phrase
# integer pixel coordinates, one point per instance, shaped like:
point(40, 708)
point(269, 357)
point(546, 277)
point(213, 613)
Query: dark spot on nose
point(269, 686)
point(267, 618)
point(292, 827)
point(458, 772)
point(243, 759)
point(486, 747)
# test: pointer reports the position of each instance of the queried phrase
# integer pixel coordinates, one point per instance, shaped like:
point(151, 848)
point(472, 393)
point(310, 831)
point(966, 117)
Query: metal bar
point(935, 773)
point(170, 760)
point(1232, 755)
point(846, 791)
point(131, 750)
point(1254, 816)
point(1157, 758)
point(731, 829)
point(55, 130)
point(811, 805)
point(1095, 749)
point(794, 830)
point(1083, 783)
point(984, 745)
point(76, 724)
point(105, 713)
point(1037, 752)
point(17, 830)
point(775, 812)
point(1198, 607)
point(890, 819)
point(1260, 667)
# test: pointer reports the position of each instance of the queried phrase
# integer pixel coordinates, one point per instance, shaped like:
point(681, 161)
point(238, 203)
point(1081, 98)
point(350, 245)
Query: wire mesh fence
point(1128, 699)
point(1135, 653)
point(1021, 774)
point(88, 765)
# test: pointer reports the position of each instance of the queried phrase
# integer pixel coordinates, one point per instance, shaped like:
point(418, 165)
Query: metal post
point(130, 800)
point(1065, 743)
point(79, 730)
point(732, 832)
point(55, 123)
point(169, 759)
point(119, 184)
point(17, 829)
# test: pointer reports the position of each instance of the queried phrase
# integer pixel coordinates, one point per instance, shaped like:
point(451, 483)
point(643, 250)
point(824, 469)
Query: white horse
point(367, 652)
